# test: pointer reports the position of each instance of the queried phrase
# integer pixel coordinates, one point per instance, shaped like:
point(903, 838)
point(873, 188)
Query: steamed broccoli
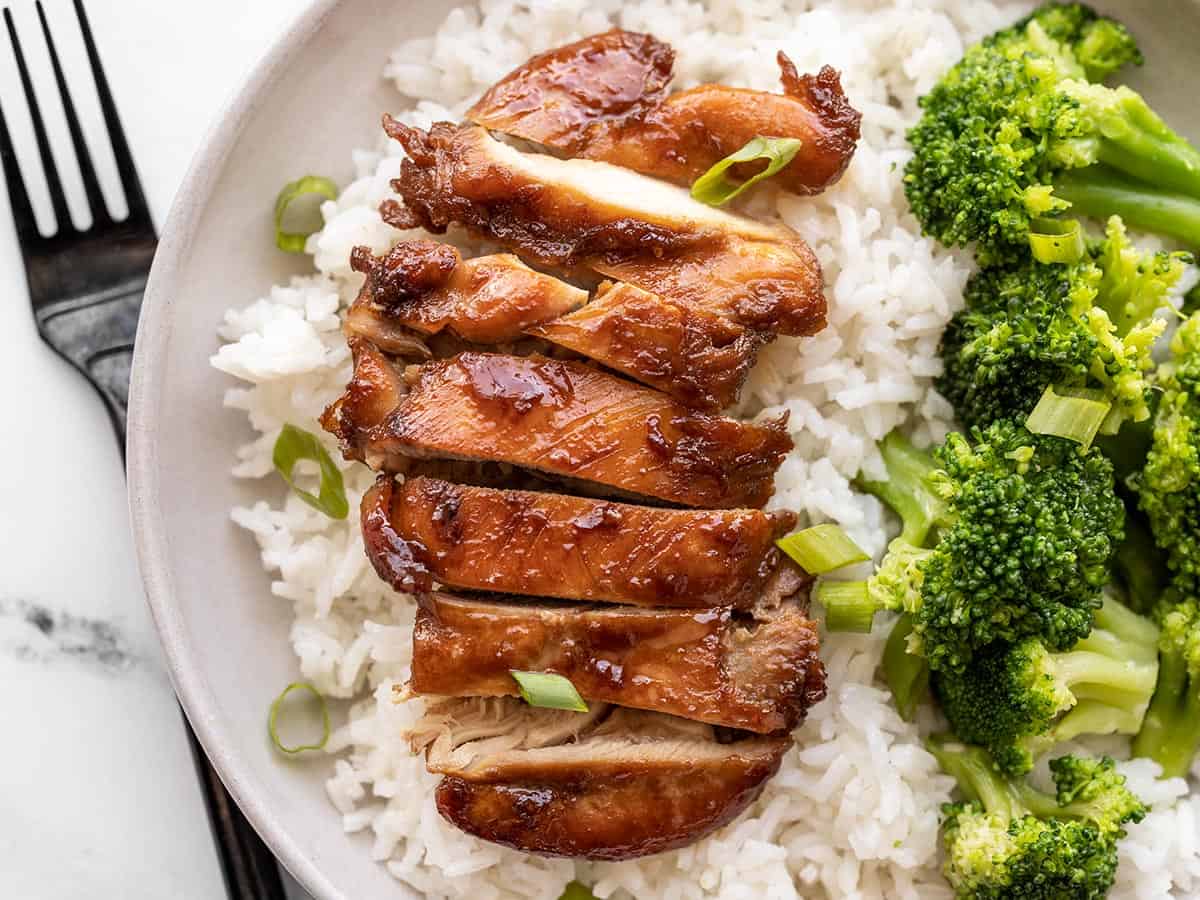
point(1005, 536)
point(1009, 840)
point(1019, 700)
point(1019, 129)
point(1168, 489)
point(1030, 325)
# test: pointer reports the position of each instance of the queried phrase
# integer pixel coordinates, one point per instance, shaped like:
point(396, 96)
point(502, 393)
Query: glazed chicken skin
point(554, 545)
point(605, 98)
point(427, 287)
point(699, 358)
point(558, 418)
point(712, 665)
point(582, 216)
point(606, 785)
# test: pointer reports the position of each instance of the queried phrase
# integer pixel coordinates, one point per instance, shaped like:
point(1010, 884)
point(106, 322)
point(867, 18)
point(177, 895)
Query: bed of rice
point(854, 811)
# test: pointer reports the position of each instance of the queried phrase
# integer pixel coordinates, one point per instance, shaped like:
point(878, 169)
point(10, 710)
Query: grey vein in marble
point(33, 632)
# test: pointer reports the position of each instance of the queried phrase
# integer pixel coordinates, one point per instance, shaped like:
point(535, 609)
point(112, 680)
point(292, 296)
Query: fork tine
point(58, 200)
point(134, 197)
point(91, 184)
point(18, 197)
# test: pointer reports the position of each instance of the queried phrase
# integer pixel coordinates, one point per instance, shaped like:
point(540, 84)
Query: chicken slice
point(555, 545)
point(577, 214)
point(699, 358)
point(427, 287)
point(712, 666)
point(563, 419)
point(635, 784)
point(604, 98)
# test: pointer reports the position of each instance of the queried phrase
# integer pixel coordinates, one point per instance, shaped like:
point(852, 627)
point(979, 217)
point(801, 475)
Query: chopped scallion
point(576, 891)
point(293, 238)
point(716, 188)
point(1057, 241)
point(821, 549)
point(295, 444)
point(548, 691)
point(1075, 415)
point(274, 715)
point(848, 606)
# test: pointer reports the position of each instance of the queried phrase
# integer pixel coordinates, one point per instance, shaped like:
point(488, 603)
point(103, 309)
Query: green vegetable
point(716, 188)
point(906, 674)
point(576, 891)
point(821, 549)
point(1011, 536)
point(1020, 129)
point(548, 691)
point(1168, 491)
point(1171, 734)
point(847, 605)
point(294, 238)
point(1009, 841)
point(1056, 240)
point(295, 444)
point(277, 704)
point(1075, 418)
point(1019, 700)
point(1087, 326)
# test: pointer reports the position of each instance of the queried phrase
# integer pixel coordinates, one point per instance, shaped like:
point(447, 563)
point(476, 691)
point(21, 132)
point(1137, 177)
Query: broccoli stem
point(1100, 191)
point(977, 778)
point(1086, 717)
point(1171, 733)
point(1122, 633)
point(1098, 676)
point(907, 675)
point(906, 491)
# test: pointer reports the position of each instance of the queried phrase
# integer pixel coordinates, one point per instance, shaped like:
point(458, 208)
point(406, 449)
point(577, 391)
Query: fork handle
point(95, 333)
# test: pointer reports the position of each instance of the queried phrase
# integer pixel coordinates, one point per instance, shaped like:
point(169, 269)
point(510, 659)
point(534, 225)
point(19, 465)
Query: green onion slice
point(293, 240)
point(548, 691)
point(821, 549)
point(716, 188)
point(1072, 414)
point(295, 444)
point(274, 715)
point(848, 606)
point(1057, 240)
point(576, 891)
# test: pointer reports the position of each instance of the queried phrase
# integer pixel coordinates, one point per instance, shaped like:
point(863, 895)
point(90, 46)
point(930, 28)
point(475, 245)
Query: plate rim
point(150, 546)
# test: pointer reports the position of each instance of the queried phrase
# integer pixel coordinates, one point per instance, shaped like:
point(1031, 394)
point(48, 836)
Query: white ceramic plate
point(317, 95)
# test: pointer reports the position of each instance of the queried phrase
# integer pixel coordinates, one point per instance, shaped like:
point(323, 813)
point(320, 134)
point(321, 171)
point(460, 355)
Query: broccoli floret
point(1168, 491)
point(1168, 487)
point(1023, 528)
point(1009, 841)
point(1018, 129)
point(1029, 325)
point(1171, 734)
point(1019, 700)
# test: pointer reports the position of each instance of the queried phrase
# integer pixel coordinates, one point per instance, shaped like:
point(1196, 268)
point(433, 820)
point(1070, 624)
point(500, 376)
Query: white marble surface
point(97, 792)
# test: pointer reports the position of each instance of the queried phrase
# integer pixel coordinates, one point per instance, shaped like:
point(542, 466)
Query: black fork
point(86, 287)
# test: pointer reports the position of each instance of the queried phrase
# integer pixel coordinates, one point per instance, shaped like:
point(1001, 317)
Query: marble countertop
point(98, 797)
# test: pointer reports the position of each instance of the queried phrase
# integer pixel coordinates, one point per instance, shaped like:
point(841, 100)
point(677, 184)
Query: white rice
point(854, 811)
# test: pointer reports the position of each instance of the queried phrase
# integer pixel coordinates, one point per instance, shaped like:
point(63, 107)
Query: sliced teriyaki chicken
point(559, 418)
point(699, 358)
point(427, 287)
point(553, 545)
point(576, 214)
point(607, 784)
point(713, 666)
point(605, 98)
